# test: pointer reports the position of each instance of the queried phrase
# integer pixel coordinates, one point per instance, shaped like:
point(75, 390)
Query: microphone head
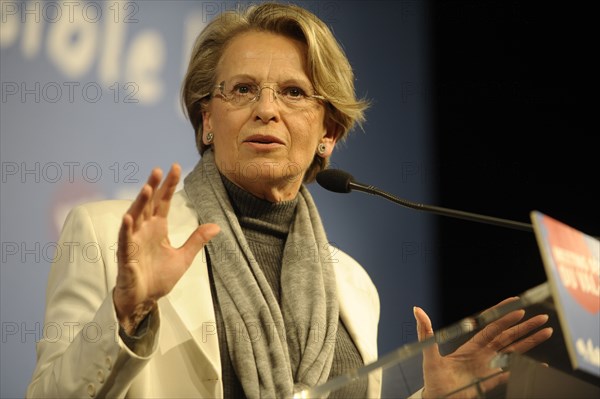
point(335, 180)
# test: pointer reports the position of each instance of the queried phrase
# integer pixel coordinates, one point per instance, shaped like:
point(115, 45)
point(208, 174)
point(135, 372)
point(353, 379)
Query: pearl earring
point(321, 148)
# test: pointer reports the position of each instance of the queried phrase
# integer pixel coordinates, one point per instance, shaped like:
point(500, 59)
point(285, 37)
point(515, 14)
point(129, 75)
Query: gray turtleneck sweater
point(265, 226)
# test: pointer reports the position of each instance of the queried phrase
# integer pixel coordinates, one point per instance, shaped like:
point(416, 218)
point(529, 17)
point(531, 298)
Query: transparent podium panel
point(474, 370)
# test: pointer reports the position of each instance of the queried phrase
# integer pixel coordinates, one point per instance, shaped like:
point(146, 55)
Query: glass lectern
point(544, 372)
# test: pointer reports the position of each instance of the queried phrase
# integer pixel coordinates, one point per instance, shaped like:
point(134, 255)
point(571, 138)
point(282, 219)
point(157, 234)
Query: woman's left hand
point(471, 361)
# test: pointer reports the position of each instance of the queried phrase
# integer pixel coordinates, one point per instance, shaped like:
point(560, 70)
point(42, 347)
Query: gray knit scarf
point(275, 350)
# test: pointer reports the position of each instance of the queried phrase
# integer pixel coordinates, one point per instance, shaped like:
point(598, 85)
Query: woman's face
point(265, 146)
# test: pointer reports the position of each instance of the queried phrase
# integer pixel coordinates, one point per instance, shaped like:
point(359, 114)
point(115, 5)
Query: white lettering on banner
point(72, 46)
point(145, 61)
point(588, 351)
point(80, 34)
point(577, 271)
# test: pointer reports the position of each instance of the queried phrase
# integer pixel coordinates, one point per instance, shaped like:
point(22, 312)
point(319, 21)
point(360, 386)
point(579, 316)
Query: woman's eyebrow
point(287, 80)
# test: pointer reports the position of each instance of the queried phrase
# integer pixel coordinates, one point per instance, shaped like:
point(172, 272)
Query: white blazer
point(81, 353)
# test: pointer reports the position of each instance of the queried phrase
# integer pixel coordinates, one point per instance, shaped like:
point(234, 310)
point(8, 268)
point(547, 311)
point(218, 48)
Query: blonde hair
point(328, 67)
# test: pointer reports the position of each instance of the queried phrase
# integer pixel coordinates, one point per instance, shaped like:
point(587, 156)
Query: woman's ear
point(328, 141)
point(206, 126)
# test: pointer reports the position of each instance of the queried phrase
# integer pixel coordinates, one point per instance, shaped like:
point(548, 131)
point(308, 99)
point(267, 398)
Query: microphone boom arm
point(441, 211)
point(339, 181)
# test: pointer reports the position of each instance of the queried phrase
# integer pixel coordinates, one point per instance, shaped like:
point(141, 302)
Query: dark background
point(511, 96)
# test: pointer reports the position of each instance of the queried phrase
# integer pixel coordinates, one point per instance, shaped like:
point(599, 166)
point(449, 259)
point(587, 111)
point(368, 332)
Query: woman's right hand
point(149, 267)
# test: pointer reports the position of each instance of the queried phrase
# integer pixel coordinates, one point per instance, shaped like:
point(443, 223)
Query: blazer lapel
point(359, 310)
point(187, 311)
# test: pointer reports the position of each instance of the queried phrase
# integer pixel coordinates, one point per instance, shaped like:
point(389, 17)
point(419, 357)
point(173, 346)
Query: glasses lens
point(239, 94)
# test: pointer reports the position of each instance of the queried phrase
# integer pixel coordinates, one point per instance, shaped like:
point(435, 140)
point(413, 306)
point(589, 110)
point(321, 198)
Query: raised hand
point(471, 361)
point(149, 267)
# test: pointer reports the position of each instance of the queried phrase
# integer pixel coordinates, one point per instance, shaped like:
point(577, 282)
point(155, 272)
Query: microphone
point(342, 182)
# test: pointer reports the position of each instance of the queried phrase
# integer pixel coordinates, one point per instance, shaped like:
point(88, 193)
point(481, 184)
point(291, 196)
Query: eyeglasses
point(242, 94)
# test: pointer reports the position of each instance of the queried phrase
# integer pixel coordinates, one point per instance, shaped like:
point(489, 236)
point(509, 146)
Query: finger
point(125, 233)
point(136, 209)
point(166, 191)
point(493, 310)
point(160, 187)
point(153, 181)
point(425, 332)
point(518, 331)
point(505, 301)
point(424, 326)
point(155, 177)
point(200, 237)
point(494, 329)
point(531, 341)
point(138, 206)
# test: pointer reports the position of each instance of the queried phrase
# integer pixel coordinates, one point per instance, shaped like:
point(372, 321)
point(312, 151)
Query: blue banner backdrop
point(89, 105)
